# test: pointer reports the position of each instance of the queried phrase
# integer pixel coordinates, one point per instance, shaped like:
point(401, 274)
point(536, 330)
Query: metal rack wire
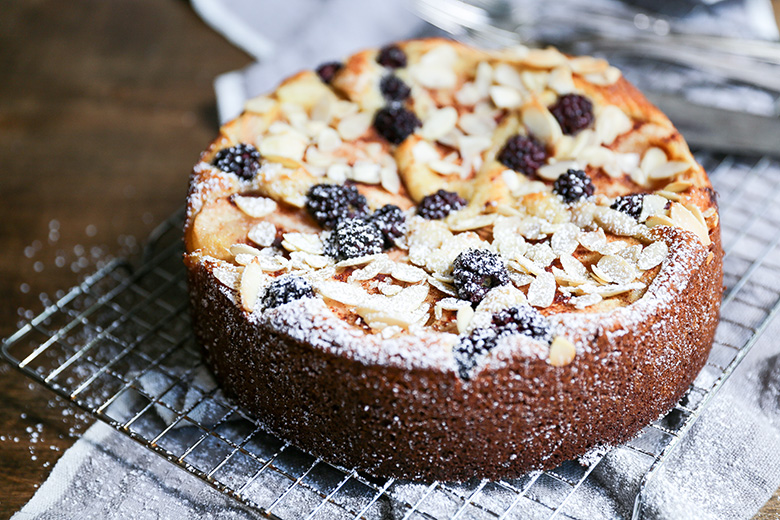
point(120, 347)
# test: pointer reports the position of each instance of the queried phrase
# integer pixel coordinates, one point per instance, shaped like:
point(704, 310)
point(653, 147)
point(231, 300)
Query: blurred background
point(106, 104)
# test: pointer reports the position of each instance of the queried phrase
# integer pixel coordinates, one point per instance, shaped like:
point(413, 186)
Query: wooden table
point(104, 107)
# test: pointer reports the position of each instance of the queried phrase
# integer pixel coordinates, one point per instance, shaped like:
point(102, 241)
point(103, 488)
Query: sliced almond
point(354, 126)
point(659, 220)
point(652, 255)
point(668, 169)
point(610, 123)
point(678, 186)
point(562, 352)
point(505, 97)
point(366, 172)
point(464, 315)
point(541, 292)
point(260, 105)
point(617, 269)
point(439, 123)
point(255, 207)
point(551, 172)
point(588, 65)
point(251, 283)
point(287, 145)
point(306, 242)
point(683, 218)
point(390, 180)
point(560, 80)
point(541, 123)
point(407, 273)
point(544, 58)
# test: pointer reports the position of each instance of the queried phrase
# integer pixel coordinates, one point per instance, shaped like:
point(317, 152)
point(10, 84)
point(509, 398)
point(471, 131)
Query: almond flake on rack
point(562, 352)
point(652, 255)
point(255, 207)
point(439, 123)
point(610, 123)
point(252, 280)
point(541, 292)
point(306, 242)
point(354, 126)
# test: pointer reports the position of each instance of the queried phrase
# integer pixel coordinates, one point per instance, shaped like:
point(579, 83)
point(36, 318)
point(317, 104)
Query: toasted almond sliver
point(541, 123)
point(588, 65)
point(710, 212)
point(552, 171)
point(228, 275)
point(617, 268)
point(560, 80)
point(263, 234)
point(541, 292)
point(652, 255)
point(544, 58)
point(562, 352)
point(390, 180)
point(678, 186)
point(610, 123)
point(669, 195)
point(251, 282)
point(407, 273)
point(255, 207)
point(259, 105)
point(439, 123)
point(505, 97)
point(668, 169)
point(244, 249)
point(464, 315)
point(659, 220)
point(683, 218)
point(306, 242)
point(353, 126)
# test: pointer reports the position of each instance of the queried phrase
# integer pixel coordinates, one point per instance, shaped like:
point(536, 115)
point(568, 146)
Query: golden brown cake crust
point(396, 406)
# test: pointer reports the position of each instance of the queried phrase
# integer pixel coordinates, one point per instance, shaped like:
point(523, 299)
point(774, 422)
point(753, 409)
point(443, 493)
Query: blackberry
point(439, 205)
point(391, 56)
point(573, 185)
point(523, 320)
point(573, 112)
point(286, 289)
point(329, 204)
point(471, 349)
point(523, 154)
point(393, 88)
point(395, 123)
point(353, 238)
point(630, 204)
point(475, 272)
point(391, 222)
point(327, 71)
point(242, 159)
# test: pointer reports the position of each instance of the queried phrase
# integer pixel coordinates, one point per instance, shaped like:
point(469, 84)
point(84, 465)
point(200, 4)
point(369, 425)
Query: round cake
point(431, 261)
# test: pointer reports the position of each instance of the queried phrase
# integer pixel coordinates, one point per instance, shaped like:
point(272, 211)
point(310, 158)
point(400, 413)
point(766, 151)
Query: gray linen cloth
point(726, 467)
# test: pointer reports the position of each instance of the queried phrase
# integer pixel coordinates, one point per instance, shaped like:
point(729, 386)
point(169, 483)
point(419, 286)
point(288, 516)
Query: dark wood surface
point(104, 107)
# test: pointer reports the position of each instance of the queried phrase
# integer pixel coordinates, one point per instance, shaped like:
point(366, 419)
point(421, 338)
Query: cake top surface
point(437, 201)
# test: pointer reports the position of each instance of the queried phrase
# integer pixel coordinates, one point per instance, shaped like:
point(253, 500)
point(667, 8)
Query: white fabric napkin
point(726, 467)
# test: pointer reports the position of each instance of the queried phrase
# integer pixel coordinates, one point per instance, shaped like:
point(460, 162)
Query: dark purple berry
point(353, 238)
point(573, 112)
point(439, 205)
point(242, 159)
point(475, 272)
point(329, 204)
point(395, 123)
point(391, 222)
point(523, 154)
point(286, 289)
point(391, 56)
point(523, 320)
point(472, 348)
point(630, 204)
point(394, 89)
point(327, 71)
point(573, 185)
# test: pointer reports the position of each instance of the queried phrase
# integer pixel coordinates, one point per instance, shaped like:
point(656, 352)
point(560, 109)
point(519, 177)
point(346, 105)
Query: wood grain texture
point(104, 107)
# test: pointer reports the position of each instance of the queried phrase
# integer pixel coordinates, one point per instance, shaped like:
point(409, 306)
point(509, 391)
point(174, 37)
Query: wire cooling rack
point(120, 347)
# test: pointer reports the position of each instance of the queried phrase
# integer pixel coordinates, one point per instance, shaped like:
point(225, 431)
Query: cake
point(430, 261)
